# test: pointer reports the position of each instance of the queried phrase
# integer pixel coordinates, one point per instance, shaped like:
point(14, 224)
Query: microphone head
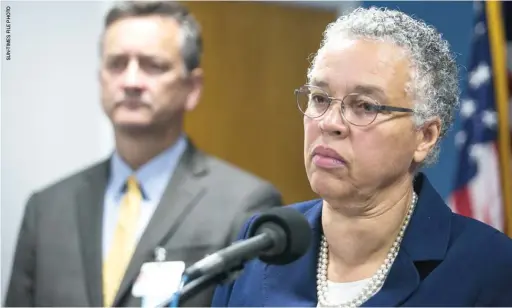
point(290, 231)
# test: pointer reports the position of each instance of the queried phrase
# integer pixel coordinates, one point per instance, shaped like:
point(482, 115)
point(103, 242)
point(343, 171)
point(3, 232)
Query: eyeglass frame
point(379, 107)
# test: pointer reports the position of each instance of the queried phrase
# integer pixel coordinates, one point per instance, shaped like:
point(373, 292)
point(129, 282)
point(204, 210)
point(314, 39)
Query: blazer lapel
point(402, 280)
point(426, 239)
point(89, 210)
point(179, 198)
point(302, 292)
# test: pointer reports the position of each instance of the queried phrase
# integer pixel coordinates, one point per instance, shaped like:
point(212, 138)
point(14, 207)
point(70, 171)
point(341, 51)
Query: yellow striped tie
point(123, 242)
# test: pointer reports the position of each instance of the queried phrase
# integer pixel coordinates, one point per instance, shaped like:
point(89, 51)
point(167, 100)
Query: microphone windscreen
point(295, 227)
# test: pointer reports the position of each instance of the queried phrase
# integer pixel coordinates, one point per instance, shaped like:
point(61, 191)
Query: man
point(83, 240)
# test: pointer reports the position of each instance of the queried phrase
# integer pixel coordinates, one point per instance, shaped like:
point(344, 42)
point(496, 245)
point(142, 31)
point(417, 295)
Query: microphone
point(278, 236)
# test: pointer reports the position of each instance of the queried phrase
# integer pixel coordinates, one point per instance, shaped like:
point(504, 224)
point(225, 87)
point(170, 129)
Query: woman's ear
point(427, 138)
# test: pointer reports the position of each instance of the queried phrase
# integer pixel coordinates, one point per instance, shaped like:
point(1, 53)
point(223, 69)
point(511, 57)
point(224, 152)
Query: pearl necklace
point(375, 282)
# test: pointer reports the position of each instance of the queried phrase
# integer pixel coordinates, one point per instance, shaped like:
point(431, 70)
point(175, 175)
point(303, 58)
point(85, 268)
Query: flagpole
point(497, 42)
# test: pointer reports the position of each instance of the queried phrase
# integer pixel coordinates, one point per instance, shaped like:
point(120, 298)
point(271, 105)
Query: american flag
point(507, 17)
point(478, 191)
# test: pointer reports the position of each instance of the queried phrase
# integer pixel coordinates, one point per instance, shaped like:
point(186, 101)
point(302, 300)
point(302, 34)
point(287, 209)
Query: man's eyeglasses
point(357, 109)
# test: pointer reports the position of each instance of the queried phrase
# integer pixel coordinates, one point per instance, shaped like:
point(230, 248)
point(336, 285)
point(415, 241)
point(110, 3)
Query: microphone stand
point(195, 286)
point(191, 289)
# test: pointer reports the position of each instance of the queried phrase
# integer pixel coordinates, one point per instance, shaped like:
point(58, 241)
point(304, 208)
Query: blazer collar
point(89, 214)
point(426, 239)
point(430, 222)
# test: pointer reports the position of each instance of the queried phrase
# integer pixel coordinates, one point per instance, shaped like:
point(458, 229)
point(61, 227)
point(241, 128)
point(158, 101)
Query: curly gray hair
point(434, 82)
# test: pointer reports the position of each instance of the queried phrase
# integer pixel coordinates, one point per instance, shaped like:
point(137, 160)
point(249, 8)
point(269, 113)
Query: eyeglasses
point(357, 109)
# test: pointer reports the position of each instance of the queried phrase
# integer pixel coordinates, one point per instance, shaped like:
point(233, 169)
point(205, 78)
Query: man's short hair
point(190, 38)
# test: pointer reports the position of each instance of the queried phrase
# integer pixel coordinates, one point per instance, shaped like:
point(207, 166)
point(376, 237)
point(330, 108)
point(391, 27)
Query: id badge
point(158, 281)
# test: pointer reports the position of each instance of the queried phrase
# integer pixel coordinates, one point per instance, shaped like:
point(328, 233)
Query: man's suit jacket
point(58, 260)
point(445, 260)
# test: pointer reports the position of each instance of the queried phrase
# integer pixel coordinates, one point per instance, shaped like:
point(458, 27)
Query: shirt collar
point(152, 176)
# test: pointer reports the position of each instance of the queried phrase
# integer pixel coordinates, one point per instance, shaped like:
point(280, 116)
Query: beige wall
point(256, 54)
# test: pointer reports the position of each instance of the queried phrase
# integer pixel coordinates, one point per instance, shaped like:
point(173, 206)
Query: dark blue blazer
point(445, 260)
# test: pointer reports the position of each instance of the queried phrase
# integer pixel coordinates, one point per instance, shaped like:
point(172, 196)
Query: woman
point(381, 92)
